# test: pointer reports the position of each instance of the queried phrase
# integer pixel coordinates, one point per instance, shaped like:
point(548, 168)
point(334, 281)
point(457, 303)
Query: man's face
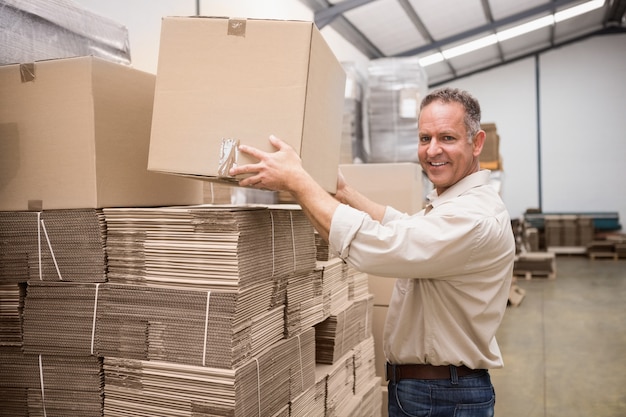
point(444, 150)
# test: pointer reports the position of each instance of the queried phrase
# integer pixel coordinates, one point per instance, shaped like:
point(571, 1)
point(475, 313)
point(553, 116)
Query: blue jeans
point(469, 396)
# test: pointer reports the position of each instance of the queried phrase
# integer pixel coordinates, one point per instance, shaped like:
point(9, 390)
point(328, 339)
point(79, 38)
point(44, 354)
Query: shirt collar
point(473, 180)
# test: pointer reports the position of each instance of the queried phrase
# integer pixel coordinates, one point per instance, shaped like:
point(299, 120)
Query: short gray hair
point(469, 103)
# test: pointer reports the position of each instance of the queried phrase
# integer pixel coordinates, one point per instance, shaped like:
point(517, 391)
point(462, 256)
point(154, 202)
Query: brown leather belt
point(398, 372)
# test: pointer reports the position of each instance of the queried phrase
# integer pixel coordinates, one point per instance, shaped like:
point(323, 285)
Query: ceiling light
point(525, 28)
point(578, 10)
point(470, 46)
point(512, 32)
point(431, 59)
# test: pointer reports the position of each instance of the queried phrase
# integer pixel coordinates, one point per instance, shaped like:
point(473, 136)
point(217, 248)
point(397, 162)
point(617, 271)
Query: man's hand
point(277, 171)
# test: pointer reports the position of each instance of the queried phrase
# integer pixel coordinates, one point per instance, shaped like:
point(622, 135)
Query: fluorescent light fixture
point(512, 32)
point(470, 46)
point(525, 28)
point(578, 10)
point(431, 59)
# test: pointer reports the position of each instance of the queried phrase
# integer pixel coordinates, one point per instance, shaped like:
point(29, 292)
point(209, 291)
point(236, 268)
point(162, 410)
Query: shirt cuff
point(345, 224)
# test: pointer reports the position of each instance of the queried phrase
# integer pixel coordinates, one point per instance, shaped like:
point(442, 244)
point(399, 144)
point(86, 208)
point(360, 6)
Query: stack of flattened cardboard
point(59, 318)
point(312, 402)
point(203, 328)
point(304, 302)
point(53, 245)
point(261, 386)
point(218, 247)
point(364, 366)
point(45, 246)
point(50, 385)
point(341, 332)
point(339, 386)
point(10, 314)
point(334, 286)
point(358, 283)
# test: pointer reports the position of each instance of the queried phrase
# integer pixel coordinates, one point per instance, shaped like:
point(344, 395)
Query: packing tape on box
point(237, 27)
point(27, 72)
point(229, 153)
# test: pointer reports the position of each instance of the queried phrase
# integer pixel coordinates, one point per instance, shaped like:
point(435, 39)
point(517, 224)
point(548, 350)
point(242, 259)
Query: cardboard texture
point(75, 134)
point(490, 155)
point(399, 185)
point(221, 80)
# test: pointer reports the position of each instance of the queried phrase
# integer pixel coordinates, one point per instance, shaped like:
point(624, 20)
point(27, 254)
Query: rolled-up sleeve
point(345, 224)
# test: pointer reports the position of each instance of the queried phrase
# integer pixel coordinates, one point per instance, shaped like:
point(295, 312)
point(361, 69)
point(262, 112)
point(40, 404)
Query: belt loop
point(391, 372)
point(453, 375)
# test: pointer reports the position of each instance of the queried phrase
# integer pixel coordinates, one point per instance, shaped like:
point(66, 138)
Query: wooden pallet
point(602, 255)
point(528, 275)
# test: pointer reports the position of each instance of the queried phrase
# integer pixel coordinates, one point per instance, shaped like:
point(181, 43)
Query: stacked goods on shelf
point(490, 157)
point(568, 232)
point(395, 88)
point(352, 132)
point(38, 30)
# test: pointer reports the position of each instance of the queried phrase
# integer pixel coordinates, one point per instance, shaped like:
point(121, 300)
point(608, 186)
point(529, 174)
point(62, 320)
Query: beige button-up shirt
point(454, 267)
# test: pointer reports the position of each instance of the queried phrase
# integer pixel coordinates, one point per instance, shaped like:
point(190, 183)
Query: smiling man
point(453, 260)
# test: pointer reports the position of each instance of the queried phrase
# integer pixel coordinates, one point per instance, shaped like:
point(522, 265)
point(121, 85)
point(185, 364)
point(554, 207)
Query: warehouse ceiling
point(433, 29)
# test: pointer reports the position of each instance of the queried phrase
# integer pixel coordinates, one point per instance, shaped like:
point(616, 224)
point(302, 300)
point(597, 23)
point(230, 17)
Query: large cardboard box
point(74, 133)
point(396, 184)
point(222, 80)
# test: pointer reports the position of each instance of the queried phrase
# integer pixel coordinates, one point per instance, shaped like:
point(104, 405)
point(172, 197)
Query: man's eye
point(424, 139)
point(448, 138)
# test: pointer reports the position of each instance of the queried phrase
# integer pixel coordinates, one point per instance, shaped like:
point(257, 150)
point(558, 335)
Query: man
point(453, 260)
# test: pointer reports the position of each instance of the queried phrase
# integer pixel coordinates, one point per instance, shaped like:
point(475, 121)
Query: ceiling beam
point(489, 27)
point(347, 30)
point(489, 16)
point(326, 15)
point(420, 26)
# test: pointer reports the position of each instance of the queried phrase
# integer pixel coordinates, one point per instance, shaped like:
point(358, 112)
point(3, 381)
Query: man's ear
point(479, 141)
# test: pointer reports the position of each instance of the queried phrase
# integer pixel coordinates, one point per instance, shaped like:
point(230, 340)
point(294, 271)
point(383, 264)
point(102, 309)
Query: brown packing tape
point(35, 205)
point(27, 72)
point(229, 152)
point(237, 27)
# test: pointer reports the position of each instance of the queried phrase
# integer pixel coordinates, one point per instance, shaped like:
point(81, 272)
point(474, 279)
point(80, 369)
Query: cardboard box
point(491, 147)
point(223, 80)
point(75, 134)
point(397, 184)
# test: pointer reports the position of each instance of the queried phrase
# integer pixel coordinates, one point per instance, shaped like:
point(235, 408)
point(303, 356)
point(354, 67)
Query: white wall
point(582, 98)
point(582, 102)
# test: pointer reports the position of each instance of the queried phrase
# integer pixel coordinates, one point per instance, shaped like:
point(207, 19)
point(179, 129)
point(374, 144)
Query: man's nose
point(433, 148)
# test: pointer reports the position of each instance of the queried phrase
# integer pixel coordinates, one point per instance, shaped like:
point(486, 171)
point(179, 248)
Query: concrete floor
point(564, 346)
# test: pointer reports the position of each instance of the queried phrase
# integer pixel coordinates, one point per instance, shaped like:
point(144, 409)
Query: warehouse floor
point(564, 346)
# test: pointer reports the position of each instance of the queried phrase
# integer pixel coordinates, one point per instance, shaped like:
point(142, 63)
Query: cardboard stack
point(75, 139)
point(261, 386)
point(535, 264)
point(34, 385)
point(570, 232)
point(173, 308)
point(395, 88)
point(490, 157)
